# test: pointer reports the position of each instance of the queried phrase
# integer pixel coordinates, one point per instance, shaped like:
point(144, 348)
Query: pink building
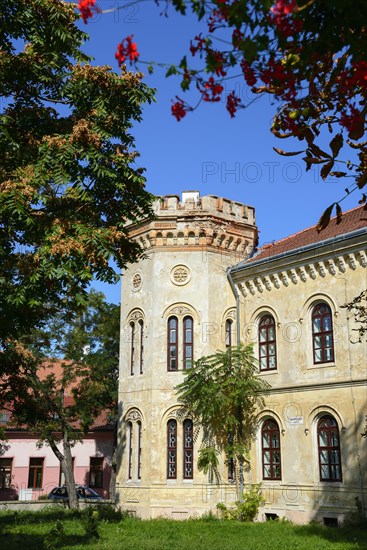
point(26, 471)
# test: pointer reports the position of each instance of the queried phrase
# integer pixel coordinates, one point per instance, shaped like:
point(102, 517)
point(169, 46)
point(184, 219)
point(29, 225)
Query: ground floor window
point(96, 472)
point(5, 472)
point(35, 473)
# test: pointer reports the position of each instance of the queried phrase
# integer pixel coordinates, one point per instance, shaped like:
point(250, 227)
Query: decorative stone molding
point(320, 268)
point(134, 415)
point(180, 275)
point(180, 311)
point(303, 274)
point(136, 315)
point(342, 265)
point(363, 258)
point(259, 284)
point(276, 281)
point(332, 267)
point(294, 276)
point(267, 283)
point(136, 282)
point(312, 271)
point(352, 261)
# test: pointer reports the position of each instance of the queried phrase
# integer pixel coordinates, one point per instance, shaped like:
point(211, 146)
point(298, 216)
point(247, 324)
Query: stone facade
point(178, 302)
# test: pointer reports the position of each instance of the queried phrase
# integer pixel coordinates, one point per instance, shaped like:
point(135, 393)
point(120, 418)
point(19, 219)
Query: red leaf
point(336, 144)
point(325, 218)
point(287, 153)
point(325, 170)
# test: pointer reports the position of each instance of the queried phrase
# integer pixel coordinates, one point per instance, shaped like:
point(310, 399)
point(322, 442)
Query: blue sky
point(208, 151)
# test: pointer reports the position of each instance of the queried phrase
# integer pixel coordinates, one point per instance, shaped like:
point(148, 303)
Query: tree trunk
point(113, 466)
point(67, 467)
point(66, 462)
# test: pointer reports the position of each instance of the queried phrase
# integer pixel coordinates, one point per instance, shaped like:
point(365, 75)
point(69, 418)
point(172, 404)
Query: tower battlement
point(211, 222)
point(192, 202)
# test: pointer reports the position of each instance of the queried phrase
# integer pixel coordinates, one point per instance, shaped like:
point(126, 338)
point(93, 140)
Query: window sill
point(322, 365)
point(270, 371)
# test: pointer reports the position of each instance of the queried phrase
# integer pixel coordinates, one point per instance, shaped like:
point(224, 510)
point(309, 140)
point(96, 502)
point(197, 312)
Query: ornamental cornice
point(259, 283)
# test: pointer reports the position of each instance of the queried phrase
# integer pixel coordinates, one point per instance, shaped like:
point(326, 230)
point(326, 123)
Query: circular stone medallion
point(136, 282)
point(180, 275)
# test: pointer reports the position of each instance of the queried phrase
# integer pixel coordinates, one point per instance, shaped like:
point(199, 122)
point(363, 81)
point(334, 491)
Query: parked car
point(82, 492)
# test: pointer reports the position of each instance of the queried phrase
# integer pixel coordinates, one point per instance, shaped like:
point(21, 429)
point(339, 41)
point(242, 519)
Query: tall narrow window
point(229, 333)
point(141, 350)
point(172, 449)
point(96, 472)
point(188, 333)
point(329, 449)
point(130, 455)
point(322, 334)
point(35, 473)
point(267, 343)
point(139, 450)
point(132, 346)
point(5, 472)
point(188, 449)
point(172, 344)
point(270, 442)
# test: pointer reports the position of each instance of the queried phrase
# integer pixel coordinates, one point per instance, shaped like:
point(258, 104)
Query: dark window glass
point(188, 449)
point(322, 334)
point(329, 449)
point(270, 446)
point(188, 334)
point(35, 473)
point(5, 472)
point(172, 449)
point(141, 355)
point(130, 451)
point(132, 347)
point(96, 472)
point(229, 333)
point(172, 344)
point(139, 449)
point(267, 343)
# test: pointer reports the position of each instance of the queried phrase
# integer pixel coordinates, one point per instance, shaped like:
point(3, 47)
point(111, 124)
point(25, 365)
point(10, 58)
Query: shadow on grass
point(105, 512)
point(358, 536)
point(22, 541)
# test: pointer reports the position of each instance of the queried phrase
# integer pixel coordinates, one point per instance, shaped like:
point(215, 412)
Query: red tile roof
point(351, 221)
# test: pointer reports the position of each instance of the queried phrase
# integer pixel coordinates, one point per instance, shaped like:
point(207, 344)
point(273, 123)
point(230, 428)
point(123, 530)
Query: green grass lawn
point(31, 531)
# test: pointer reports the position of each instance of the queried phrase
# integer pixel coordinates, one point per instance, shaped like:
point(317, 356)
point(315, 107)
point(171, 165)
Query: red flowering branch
point(127, 49)
point(86, 8)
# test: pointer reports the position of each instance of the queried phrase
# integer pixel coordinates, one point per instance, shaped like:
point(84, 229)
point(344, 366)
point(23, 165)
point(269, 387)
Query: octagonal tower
point(176, 306)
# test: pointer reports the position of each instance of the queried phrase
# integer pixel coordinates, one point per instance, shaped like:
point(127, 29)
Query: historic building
point(201, 287)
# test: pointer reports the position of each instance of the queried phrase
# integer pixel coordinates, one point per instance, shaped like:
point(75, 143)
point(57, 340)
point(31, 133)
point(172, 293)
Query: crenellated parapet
point(209, 223)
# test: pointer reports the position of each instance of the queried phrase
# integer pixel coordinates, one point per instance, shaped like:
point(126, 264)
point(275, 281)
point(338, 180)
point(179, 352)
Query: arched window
point(139, 449)
point(141, 350)
point(130, 455)
point(188, 449)
point(172, 449)
point(172, 344)
point(188, 342)
point(270, 444)
point(322, 334)
point(267, 343)
point(229, 333)
point(132, 347)
point(329, 449)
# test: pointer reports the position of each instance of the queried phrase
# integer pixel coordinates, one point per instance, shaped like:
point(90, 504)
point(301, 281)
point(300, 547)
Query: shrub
point(91, 523)
point(247, 509)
